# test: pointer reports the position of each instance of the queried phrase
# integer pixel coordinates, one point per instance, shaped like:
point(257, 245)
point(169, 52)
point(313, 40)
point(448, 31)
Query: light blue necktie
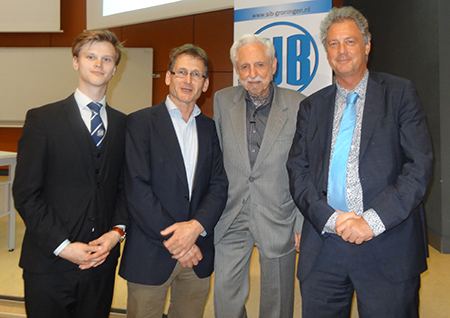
point(97, 127)
point(337, 179)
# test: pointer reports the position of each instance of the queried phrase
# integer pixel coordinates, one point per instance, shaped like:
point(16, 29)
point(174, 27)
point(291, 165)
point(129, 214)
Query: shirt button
point(253, 150)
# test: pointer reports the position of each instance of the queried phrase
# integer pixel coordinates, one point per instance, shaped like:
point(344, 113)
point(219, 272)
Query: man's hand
point(78, 253)
point(344, 216)
point(192, 257)
point(353, 228)
point(297, 237)
point(106, 242)
point(183, 238)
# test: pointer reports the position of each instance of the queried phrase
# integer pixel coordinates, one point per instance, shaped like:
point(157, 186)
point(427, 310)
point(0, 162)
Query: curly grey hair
point(346, 13)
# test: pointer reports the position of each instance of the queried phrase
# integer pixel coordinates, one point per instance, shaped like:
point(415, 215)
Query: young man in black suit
point(68, 190)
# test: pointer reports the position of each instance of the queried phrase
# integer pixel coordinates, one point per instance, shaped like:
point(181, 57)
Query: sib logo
point(296, 51)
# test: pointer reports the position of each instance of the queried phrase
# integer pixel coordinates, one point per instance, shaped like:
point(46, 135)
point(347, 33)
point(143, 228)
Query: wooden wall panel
point(73, 22)
point(338, 3)
point(9, 138)
point(162, 36)
point(160, 89)
point(213, 32)
point(217, 81)
point(25, 39)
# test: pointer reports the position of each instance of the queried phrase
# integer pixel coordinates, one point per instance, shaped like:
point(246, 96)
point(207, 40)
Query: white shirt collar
point(172, 108)
point(83, 100)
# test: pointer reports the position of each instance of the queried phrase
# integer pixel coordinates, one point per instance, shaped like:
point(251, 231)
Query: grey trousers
point(231, 280)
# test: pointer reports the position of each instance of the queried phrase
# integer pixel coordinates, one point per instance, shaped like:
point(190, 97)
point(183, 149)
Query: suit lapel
point(238, 122)
point(324, 114)
point(111, 131)
point(78, 128)
point(202, 146)
point(164, 126)
point(275, 123)
point(372, 107)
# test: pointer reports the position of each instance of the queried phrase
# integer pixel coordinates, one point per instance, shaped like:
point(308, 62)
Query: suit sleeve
point(143, 205)
point(395, 202)
point(303, 188)
point(41, 221)
point(121, 216)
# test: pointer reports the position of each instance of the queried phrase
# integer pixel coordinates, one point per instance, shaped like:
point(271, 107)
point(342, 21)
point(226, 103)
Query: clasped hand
point(353, 228)
point(182, 242)
point(92, 254)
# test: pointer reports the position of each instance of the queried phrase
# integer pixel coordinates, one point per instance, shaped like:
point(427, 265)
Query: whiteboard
point(32, 77)
point(30, 16)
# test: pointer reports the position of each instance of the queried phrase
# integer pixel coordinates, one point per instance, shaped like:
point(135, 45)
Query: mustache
point(258, 78)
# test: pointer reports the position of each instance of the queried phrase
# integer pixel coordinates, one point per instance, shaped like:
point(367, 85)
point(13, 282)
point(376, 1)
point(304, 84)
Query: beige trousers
point(188, 295)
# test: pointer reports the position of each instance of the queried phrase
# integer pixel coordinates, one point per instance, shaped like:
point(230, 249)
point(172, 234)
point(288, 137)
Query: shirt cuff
point(61, 247)
point(373, 219)
point(330, 226)
point(121, 226)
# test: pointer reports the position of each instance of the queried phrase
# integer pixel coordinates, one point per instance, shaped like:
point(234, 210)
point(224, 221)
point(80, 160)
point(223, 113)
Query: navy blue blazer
point(157, 193)
point(395, 164)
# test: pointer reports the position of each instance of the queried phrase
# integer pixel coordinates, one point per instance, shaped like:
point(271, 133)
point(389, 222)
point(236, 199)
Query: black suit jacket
point(58, 190)
point(157, 193)
point(395, 165)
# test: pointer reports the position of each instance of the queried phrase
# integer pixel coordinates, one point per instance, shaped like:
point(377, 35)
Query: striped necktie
point(97, 127)
point(337, 179)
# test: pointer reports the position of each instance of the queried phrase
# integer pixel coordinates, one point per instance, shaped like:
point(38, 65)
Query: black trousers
point(71, 294)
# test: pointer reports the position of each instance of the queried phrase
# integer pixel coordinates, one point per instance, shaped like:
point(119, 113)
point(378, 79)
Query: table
point(9, 159)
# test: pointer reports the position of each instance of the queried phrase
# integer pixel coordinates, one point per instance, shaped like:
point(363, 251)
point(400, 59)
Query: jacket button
point(251, 179)
point(186, 197)
point(91, 219)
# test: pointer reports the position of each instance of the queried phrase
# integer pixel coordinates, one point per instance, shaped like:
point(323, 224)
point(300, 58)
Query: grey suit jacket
point(275, 214)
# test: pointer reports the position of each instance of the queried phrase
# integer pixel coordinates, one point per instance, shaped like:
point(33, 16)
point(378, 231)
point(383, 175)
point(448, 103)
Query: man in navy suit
point(69, 191)
point(176, 190)
point(364, 229)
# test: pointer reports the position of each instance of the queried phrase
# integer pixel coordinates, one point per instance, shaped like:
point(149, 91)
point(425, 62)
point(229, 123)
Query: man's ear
point(168, 79)
point(274, 66)
point(75, 63)
point(205, 85)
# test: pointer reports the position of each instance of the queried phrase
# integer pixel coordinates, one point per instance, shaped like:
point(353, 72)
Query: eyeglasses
point(196, 76)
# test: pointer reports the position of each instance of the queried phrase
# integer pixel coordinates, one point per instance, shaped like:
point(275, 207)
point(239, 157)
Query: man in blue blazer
point(176, 190)
point(364, 232)
point(69, 191)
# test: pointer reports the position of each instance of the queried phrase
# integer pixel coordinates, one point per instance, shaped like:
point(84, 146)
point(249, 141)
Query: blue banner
point(283, 10)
